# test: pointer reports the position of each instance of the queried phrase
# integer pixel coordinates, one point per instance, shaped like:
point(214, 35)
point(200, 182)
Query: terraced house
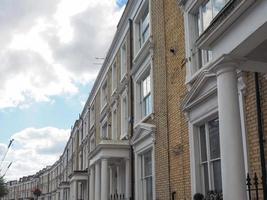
point(226, 101)
point(119, 145)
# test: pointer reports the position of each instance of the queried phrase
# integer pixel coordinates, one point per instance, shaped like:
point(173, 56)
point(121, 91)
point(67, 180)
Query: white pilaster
point(110, 181)
point(232, 157)
point(92, 184)
point(104, 179)
point(118, 180)
point(97, 182)
point(127, 179)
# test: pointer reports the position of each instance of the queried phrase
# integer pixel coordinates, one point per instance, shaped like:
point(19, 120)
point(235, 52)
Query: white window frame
point(104, 94)
point(114, 77)
point(143, 177)
point(201, 28)
point(124, 114)
point(92, 141)
point(139, 41)
point(104, 123)
point(114, 125)
point(145, 97)
point(92, 115)
point(209, 160)
point(142, 73)
point(123, 54)
point(142, 144)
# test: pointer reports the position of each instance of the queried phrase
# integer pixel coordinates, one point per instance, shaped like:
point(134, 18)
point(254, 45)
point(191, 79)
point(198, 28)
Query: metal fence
point(254, 187)
point(118, 197)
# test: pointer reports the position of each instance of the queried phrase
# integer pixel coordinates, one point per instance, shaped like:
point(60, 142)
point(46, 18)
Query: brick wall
point(172, 140)
point(254, 161)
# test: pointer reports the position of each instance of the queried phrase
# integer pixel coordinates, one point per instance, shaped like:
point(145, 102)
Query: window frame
point(92, 141)
point(143, 177)
point(114, 74)
point(139, 42)
point(104, 123)
point(104, 94)
point(92, 115)
point(124, 114)
point(123, 61)
point(145, 97)
point(209, 161)
point(114, 124)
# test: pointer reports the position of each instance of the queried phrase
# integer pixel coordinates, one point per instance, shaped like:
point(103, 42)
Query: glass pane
point(148, 107)
point(199, 23)
point(217, 176)
point(214, 138)
point(206, 177)
point(147, 164)
point(149, 191)
point(207, 14)
point(203, 144)
point(217, 6)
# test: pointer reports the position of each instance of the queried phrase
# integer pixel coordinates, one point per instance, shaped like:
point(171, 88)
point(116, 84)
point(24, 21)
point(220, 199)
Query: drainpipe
point(132, 110)
point(261, 136)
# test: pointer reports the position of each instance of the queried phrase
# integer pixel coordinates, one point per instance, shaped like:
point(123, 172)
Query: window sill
point(123, 77)
point(114, 92)
point(124, 136)
point(103, 107)
point(151, 115)
point(141, 54)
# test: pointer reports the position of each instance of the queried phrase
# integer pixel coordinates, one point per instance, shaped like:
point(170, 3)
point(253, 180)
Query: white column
point(104, 179)
point(110, 181)
point(97, 182)
point(92, 184)
point(127, 179)
point(118, 180)
point(232, 157)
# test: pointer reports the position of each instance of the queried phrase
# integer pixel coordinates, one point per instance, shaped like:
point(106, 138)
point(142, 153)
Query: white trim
point(143, 141)
point(145, 69)
point(123, 75)
point(103, 123)
point(124, 108)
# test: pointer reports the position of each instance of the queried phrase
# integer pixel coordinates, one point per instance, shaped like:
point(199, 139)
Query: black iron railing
point(254, 187)
point(118, 197)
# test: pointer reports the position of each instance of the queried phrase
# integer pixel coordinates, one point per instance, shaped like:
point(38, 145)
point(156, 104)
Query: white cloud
point(49, 47)
point(34, 149)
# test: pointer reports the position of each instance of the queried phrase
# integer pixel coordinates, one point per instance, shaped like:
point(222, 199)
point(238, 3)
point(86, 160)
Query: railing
point(253, 187)
point(118, 197)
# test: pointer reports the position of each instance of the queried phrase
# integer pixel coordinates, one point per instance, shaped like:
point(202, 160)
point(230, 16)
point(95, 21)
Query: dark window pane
point(149, 190)
point(217, 175)
point(148, 164)
point(214, 138)
point(203, 144)
point(206, 177)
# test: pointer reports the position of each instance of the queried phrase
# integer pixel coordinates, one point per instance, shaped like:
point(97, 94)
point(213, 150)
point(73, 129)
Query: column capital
point(225, 64)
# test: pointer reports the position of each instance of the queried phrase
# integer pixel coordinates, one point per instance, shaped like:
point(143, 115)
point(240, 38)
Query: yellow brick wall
point(172, 169)
point(160, 101)
point(177, 124)
point(254, 160)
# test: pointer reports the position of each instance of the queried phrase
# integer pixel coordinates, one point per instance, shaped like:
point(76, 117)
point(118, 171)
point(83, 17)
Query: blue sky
point(47, 56)
point(61, 113)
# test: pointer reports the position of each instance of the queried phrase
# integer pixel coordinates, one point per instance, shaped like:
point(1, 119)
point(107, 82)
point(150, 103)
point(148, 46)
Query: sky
point(47, 68)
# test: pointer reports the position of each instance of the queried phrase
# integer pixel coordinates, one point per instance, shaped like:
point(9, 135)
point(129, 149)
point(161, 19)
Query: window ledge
point(141, 54)
point(123, 77)
point(103, 107)
point(222, 22)
point(151, 115)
